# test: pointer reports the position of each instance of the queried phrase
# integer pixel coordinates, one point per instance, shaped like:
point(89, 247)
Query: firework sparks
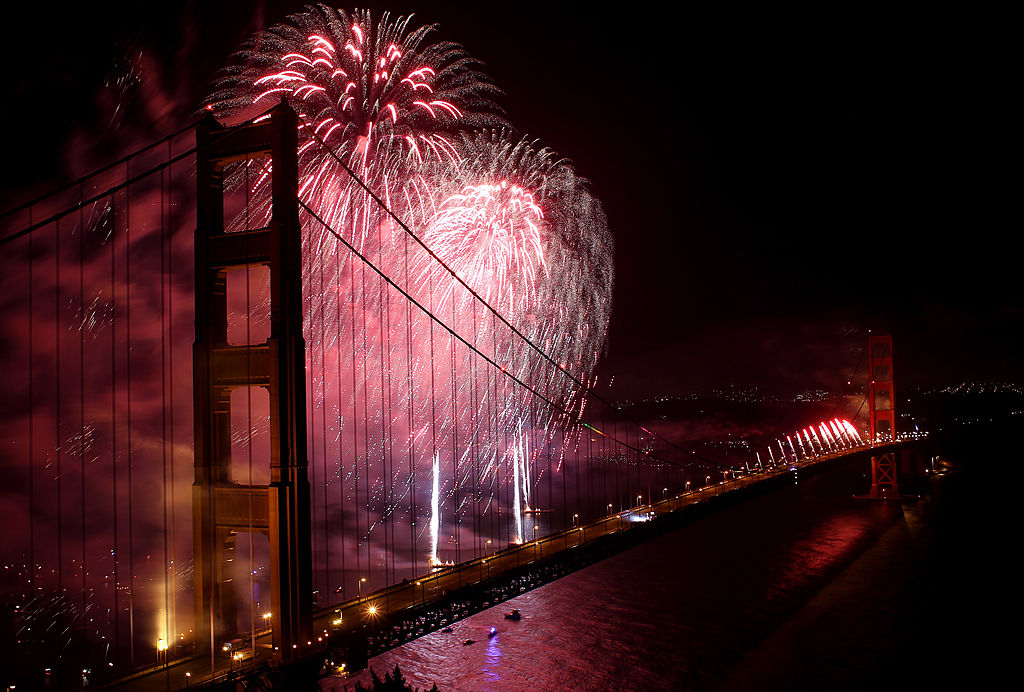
point(511, 222)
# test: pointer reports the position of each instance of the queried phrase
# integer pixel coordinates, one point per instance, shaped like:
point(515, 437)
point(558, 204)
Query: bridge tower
point(882, 401)
point(223, 508)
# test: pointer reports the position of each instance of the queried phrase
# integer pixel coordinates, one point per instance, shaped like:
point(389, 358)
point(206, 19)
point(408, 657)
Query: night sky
point(777, 182)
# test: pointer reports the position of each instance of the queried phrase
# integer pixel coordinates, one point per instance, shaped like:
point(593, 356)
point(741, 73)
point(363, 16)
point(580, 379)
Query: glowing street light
point(359, 587)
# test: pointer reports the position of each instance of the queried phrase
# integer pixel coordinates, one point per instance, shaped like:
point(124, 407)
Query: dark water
point(803, 589)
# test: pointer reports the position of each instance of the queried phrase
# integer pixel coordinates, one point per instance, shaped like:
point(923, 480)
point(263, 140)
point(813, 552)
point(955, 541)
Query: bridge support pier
point(222, 507)
point(884, 483)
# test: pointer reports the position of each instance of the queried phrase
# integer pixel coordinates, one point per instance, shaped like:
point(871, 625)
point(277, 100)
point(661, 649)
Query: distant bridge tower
point(883, 415)
point(222, 507)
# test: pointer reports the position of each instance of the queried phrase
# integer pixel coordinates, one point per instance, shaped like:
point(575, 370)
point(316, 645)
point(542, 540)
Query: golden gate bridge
point(203, 485)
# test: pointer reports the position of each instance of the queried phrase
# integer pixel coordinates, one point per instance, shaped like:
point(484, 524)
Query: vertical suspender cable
point(413, 554)
point(366, 434)
point(323, 424)
point(433, 401)
point(170, 380)
point(355, 427)
point(57, 439)
point(31, 426)
point(81, 400)
point(307, 285)
point(384, 304)
point(341, 448)
point(128, 377)
point(163, 409)
point(474, 427)
point(455, 448)
point(116, 551)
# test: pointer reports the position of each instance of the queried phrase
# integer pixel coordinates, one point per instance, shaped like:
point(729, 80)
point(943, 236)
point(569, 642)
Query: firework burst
point(379, 95)
point(511, 220)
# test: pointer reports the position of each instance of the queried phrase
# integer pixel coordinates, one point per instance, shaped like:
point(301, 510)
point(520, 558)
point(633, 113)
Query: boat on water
point(468, 642)
point(494, 631)
point(513, 614)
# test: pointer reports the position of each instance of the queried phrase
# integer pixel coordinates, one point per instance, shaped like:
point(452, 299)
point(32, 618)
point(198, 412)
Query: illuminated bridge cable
point(110, 166)
point(566, 412)
point(479, 298)
point(113, 189)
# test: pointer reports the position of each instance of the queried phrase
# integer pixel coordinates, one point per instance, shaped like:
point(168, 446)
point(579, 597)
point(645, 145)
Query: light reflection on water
point(492, 668)
point(676, 613)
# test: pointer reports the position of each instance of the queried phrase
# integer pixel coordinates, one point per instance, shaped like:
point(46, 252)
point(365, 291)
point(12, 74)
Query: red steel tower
point(223, 506)
point(883, 415)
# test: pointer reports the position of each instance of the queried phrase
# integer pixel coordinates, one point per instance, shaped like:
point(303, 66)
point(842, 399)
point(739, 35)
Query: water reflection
point(492, 658)
point(678, 612)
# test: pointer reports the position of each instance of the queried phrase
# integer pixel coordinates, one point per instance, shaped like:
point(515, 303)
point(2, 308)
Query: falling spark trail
point(435, 512)
point(516, 507)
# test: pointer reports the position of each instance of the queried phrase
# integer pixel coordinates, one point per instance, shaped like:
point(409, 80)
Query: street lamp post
point(359, 588)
